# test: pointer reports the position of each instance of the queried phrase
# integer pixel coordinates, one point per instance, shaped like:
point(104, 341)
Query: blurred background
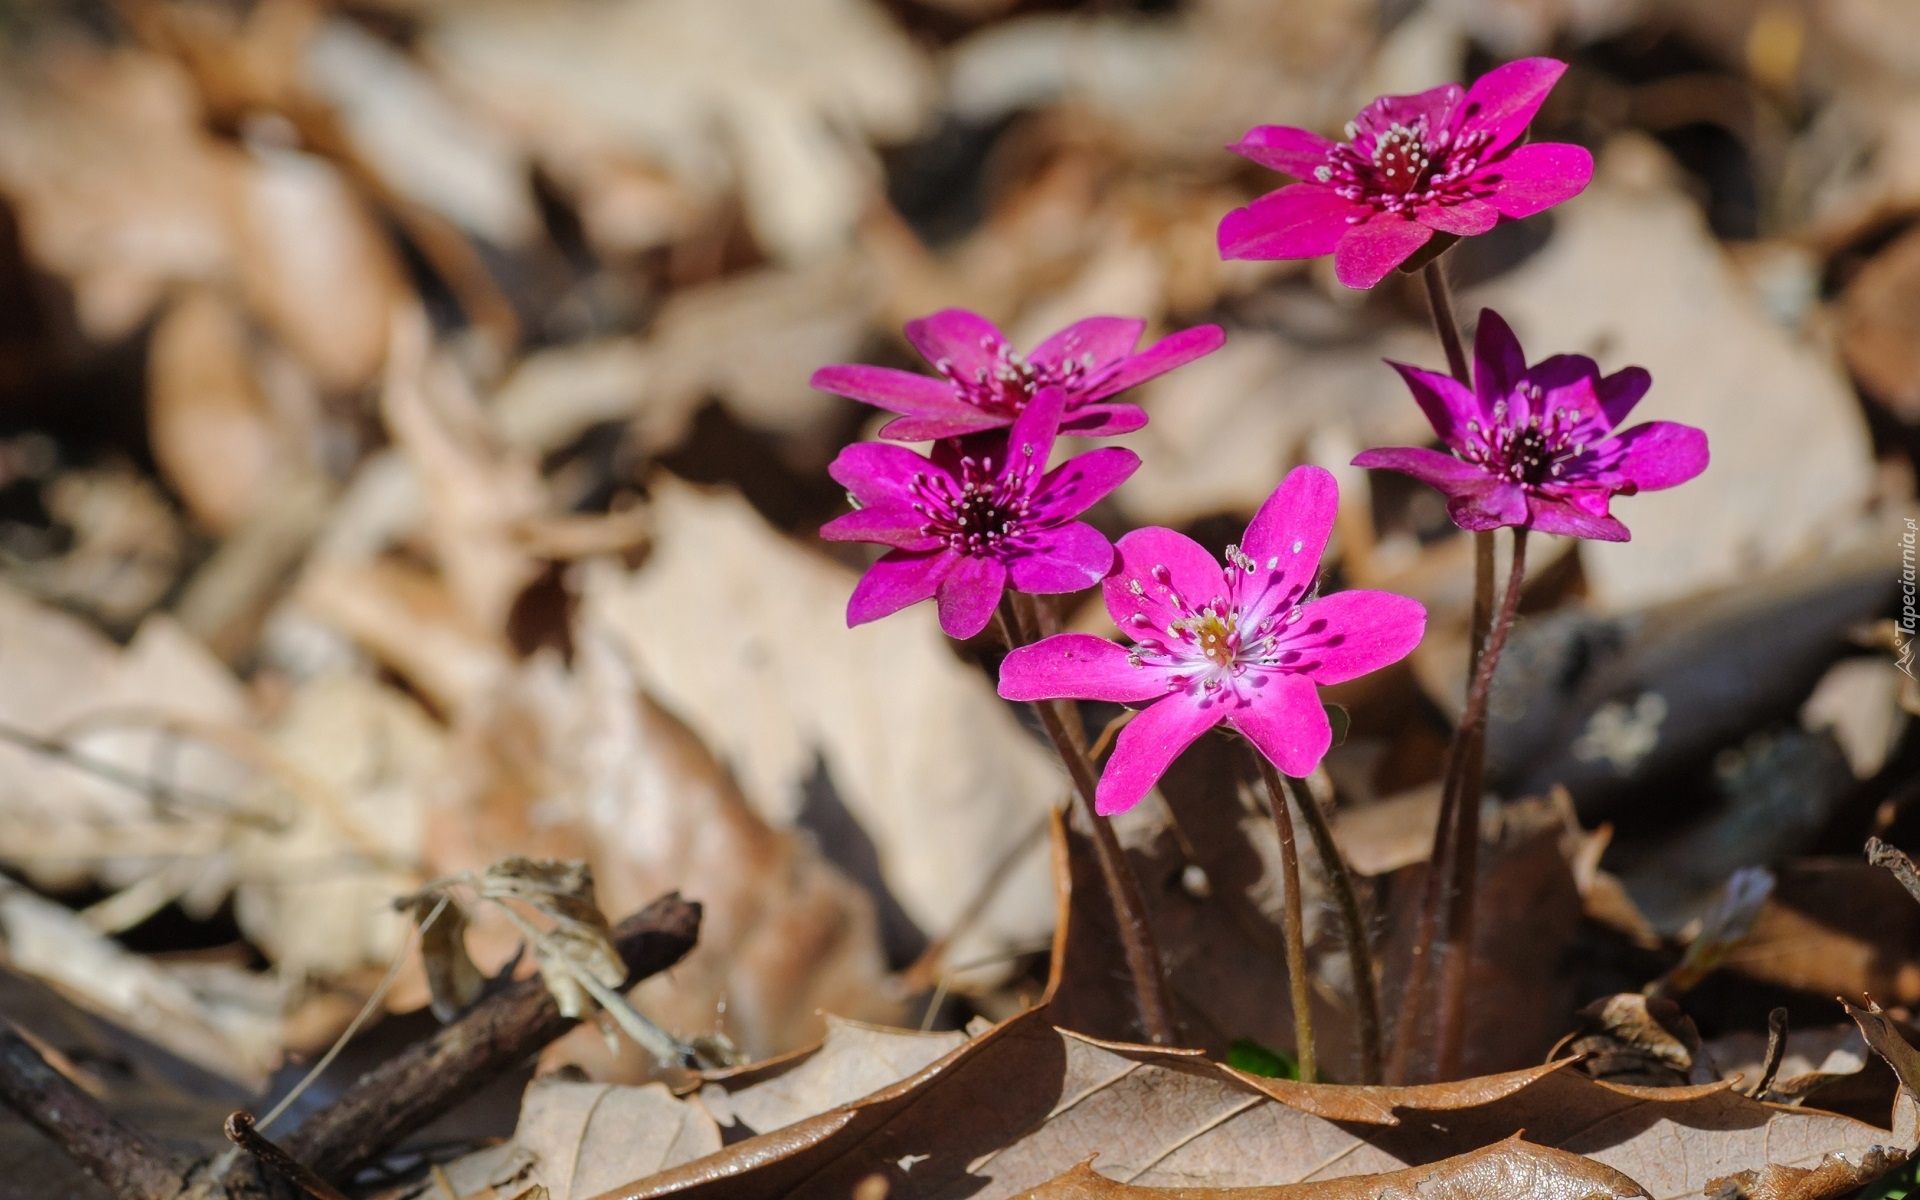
point(407, 460)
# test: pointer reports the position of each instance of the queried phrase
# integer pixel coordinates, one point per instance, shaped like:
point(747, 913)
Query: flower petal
point(1549, 515)
point(1081, 482)
point(901, 578)
point(1174, 350)
point(1349, 634)
point(969, 594)
point(967, 341)
point(886, 524)
point(1066, 558)
point(1442, 472)
point(1148, 745)
point(1498, 362)
point(935, 428)
point(1659, 454)
point(1192, 580)
point(1030, 441)
point(1620, 391)
point(1462, 218)
point(1489, 504)
point(877, 473)
point(1369, 252)
point(1079, 666)
point(1448, 403)
point(1289, 532)
point(1107, 339)
point(1301, 220)
point(1435, 106)
point(1502, 102)
point(1536, 177)
point(1104, 420)
point(895, 391)
point(1283, 148)
point(1284, 720)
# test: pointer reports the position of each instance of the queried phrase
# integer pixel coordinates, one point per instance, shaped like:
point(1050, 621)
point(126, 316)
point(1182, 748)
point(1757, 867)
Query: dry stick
point(119, 1156)
point(1354, 923)
point(1776, 1050)
point(1880, 854)
point(430, 1077)
point(242, 1133)
point(1445, 830)
point(1123, 889)
point(1295, 924)
point(1463, 864)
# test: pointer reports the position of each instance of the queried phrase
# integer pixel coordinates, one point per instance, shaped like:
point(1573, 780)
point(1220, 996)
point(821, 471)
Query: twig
point(119, 1156)
point(1354, 924)
point(241, 1132)
point(1880, 854)
point(430, 1077)
point(1776, 1050)
point(1294, 923)
point(1123, 889)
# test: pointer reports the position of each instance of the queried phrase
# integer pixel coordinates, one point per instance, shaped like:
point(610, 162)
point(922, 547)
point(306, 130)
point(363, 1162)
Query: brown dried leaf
point(1024, 1102)
point(587, 1137)
point(453, 981)
point(854, 1060)
point(1512, 1170)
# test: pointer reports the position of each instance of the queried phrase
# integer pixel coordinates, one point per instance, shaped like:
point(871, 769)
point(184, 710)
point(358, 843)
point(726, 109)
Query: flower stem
point(1296, 925)
point(1440, 304)
point(1465, 759)
point(1123, 888)
point(1354, 923)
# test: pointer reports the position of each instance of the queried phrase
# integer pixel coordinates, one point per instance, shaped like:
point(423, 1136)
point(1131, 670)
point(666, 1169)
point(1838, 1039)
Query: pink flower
point(1247, 644)
point(962, 526)
point(984, 382)
point(1535, 446)
point(1443, 161)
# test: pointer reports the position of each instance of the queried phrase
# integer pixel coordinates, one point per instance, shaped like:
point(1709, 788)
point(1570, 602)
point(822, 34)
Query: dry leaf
point(744, 635)
point(854, 1060)
point(792, 86)
point(211, 430)
point(1718, 362)
point(1023, 1102)
point(588, 1137)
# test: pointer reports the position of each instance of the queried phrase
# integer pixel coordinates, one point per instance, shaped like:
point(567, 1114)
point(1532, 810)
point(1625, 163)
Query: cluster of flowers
point(1248, 642)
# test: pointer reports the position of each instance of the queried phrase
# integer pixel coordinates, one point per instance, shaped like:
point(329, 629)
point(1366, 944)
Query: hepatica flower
point(984, 383)
point(1443, 161)
point(1536, 446)
point(1247, 644)
point(966, 521)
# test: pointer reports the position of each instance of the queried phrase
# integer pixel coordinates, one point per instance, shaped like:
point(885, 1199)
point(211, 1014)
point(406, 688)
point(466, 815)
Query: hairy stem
point(1464, 760)
point(1062, 726)
point(1295, 921)
point(119, 1156)
point(1353, 921)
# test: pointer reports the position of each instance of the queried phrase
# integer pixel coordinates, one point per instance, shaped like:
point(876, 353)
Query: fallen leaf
point(1023, 1102)
point(1718, 362)
point(587, 1137)
point(744, 636)
point(854, 1060)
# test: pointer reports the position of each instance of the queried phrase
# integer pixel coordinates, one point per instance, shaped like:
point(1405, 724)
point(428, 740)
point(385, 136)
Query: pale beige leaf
point(588, 1137)
point(855, 1060)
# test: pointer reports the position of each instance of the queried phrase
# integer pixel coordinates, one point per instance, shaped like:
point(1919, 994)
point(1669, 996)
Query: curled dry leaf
point(1024, 1102)
point(453, 981)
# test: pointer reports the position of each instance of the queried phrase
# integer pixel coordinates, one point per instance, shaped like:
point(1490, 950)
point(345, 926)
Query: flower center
point(1533, 452)
point(1394, 166)
point(1005, 386)
point(1212, 642)
point(980, 515)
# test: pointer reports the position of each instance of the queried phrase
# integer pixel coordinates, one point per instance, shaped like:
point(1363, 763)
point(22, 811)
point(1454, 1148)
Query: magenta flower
point(1246, 644)
point(1442, 161)
point(962, 526)
point(1535, 446)
point(985, 383)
